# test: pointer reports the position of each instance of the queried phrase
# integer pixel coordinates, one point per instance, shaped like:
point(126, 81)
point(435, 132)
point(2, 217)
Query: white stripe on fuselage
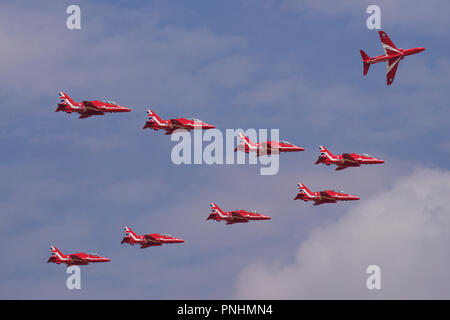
point(67, 101)
point(59, 256)
point(129, 233)
point(247, 142)
point(218, 211)
point(329, 156)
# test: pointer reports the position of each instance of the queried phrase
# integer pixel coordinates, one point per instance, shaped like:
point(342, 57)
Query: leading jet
point(392, 56)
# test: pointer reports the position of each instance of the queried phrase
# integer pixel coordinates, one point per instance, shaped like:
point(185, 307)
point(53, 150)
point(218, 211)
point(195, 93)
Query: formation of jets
point(392, 56)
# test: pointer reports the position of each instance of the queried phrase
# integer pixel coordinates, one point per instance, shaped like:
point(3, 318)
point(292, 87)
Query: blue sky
point(291, 65)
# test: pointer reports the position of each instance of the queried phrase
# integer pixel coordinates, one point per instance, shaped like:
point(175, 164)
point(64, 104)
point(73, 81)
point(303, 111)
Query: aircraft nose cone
point(126, 109)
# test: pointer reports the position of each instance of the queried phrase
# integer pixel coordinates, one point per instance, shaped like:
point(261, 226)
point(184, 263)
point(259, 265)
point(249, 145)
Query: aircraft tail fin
point(130, 233)
point(326, 153)
point(153, 117)
point(243, 139)
point(366, 61)
point(65, 99)
point(215, 209)
point(303, 189)
point(55, 252)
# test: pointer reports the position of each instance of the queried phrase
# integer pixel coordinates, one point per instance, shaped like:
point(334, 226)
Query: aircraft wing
point(267, 148)
point(348, 157)
point(238, 216)
point(388, 46)
point(324, 195)
point(391, 69)
point(150, 238)
point(342, 167)
point(89, 106)
point(76, 258)
point(177, 124)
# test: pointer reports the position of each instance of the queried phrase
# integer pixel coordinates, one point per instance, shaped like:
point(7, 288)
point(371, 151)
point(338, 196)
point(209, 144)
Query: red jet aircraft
point(237, 216)
point(155, 122)
point(88, 108)
point(76, 259)
point(328, 196)
point(392, 56)
point(264, 148)
point(346, 159)
point(148, 240)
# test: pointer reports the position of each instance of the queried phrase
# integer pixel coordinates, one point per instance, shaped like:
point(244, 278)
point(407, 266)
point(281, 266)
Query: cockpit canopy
point(110, 102)
point(94, 254)
point(285, 142)
point(195, 120)
point(168, 235)
point(365, 154)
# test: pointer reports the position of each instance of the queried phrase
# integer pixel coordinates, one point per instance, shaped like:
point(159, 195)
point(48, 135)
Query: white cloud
point(404, 230)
